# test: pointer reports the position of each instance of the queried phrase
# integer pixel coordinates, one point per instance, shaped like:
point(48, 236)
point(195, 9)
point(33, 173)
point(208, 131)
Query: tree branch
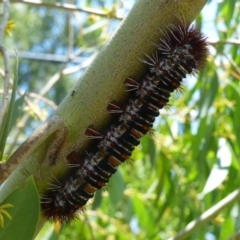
point(103, 82)
point(67, 7)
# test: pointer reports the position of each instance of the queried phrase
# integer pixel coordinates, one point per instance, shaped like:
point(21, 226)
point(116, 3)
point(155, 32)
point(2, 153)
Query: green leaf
point(97, 200)
point(8, 117)
point(208, 95)
point(16, 111)
point(25, 213)
point(116, 188)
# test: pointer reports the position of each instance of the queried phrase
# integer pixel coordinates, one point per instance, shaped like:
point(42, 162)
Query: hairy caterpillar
point(181, 51)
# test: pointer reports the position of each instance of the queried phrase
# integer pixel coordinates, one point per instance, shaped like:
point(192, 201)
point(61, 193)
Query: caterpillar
point(183, 50)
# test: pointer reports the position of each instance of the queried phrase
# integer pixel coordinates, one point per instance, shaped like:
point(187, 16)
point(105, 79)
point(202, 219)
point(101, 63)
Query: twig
point(36, 96)
point(41, 98)
point(208, 215)
point(229, 41)
point(67, 7)
point(6, 62)
point(48, 57)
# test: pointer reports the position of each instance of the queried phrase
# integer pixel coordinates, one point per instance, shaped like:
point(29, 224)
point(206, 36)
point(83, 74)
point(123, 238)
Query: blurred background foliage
point(184, 167)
